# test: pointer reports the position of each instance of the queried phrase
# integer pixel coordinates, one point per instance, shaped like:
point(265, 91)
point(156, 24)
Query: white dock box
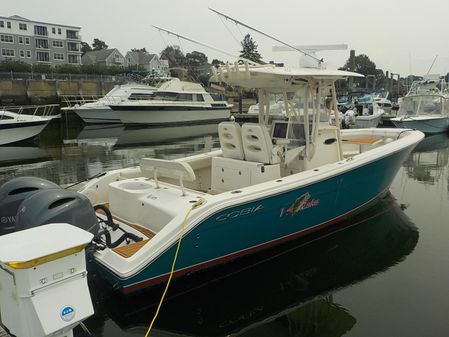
point(43, 280)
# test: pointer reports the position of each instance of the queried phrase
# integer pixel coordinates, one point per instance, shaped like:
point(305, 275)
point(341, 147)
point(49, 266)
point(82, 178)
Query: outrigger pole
point(206, 45)
point(269, 36)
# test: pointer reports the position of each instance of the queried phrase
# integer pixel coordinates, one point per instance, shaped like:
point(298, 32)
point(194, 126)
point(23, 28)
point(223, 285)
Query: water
point(383, 273)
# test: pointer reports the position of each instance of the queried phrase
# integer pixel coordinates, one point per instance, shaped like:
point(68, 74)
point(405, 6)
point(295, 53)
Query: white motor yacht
point(174, 102)
point(16, 127)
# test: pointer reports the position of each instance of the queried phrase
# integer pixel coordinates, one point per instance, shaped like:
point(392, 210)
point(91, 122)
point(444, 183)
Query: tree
point(85, 47)
point(176, 59)
point(216, 62)
point(363, 65)
point(16, 66)
point(99, 44)
point(196, 58)
point(249, 49)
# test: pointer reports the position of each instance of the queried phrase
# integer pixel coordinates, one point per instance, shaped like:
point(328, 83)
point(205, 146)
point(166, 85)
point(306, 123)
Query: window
point(71, 46)
point(22, 53)
point(40, 30)
point(58, 56)
point(7, 38)
point(27, 40)
point(59, 31)
point(2, 24)
point(53, 30)
point(199, 98)
point(28, 53)
point(73, 59)
point(22, 26)
point(8, 24)
point(41, 43)
point(58, 44)
point(72, 34)
point(8, 52)
point(20, 39)
point(42, 56)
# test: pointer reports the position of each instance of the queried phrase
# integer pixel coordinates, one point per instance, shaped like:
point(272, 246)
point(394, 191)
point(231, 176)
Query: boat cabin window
point(289, 131)
point(184, 97)
point(140, 96)
point(199, 98)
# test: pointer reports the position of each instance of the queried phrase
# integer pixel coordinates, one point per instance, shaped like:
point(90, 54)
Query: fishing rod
point(264, 34)
point(206, 45)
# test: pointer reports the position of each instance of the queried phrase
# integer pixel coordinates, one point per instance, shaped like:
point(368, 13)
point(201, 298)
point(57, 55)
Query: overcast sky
point(401, 36)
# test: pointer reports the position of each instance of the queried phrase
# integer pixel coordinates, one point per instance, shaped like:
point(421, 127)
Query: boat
point(266, 185)
point(16, 127)
point(353, 251)
point(99, 112)
point(174, 102)
point(425, 107)
point(360, 112)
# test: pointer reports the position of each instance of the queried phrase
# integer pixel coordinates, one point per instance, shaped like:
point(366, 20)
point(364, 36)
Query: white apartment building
point(38, 42)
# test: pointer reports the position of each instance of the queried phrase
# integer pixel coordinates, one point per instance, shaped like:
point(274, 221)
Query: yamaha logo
point(67, 313)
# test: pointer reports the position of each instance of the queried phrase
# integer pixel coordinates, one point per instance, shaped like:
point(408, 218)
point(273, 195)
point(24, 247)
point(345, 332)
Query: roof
point(141, 57)
point(21, 18)
point(95, 56)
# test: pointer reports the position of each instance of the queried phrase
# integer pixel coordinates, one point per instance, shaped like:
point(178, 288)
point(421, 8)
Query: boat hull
point(428, 125)
point(180, 115)
point(21, 130)
point(362, 122)
point(246, 227)
point(100, 115)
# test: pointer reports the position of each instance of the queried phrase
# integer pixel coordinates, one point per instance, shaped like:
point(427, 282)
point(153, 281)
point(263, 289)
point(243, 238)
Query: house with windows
point(144, 61)
point(109, 57)
point(39, 42)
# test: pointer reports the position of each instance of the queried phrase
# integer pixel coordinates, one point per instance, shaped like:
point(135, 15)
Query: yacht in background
point(425, 107)
point(99, 112)
point(174, 102)
point(16, 127)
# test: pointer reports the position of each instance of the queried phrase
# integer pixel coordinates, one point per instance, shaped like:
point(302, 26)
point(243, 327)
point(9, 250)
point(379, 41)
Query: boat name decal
point(301, 203)
point(238, 213)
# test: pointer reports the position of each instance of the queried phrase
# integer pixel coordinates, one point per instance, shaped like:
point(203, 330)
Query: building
point(151, 63)
point(109, 57)
point(38, 42)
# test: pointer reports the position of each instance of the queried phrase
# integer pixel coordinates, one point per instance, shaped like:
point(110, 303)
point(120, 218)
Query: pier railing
point(70, 77)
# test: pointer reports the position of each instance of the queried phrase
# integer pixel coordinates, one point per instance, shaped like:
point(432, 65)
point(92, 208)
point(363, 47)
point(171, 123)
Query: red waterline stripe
point(136, 286)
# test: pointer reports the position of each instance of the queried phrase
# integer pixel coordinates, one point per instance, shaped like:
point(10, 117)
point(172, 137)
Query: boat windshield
point(422, 105)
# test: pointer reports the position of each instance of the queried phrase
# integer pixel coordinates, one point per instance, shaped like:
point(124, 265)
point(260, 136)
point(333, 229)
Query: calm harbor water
point(382, 273)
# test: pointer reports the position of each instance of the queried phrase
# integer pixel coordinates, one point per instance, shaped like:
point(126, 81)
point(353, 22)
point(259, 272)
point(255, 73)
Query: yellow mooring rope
point(181, 233)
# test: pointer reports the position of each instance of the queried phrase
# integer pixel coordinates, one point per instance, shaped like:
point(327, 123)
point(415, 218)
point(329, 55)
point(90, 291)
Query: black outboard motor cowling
point(57, 206)
point(13, 192)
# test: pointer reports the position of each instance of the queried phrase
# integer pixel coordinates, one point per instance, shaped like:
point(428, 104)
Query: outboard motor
point(13, 192)
point(57, 206)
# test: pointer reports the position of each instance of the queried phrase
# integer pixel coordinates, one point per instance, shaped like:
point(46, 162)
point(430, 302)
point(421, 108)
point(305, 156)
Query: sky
point(399, 36)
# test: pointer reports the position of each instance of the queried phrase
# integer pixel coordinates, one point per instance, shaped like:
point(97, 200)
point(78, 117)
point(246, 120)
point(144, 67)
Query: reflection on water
point(75, 152)
point(284, 291)
point(429, 161)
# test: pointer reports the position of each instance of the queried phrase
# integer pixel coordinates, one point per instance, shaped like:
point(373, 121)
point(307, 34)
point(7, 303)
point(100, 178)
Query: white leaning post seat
point(257, 144)
point(230, 136)
point(152, 167)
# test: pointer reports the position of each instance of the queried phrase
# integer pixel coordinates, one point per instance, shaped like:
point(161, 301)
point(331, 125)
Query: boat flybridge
point(267, 184)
